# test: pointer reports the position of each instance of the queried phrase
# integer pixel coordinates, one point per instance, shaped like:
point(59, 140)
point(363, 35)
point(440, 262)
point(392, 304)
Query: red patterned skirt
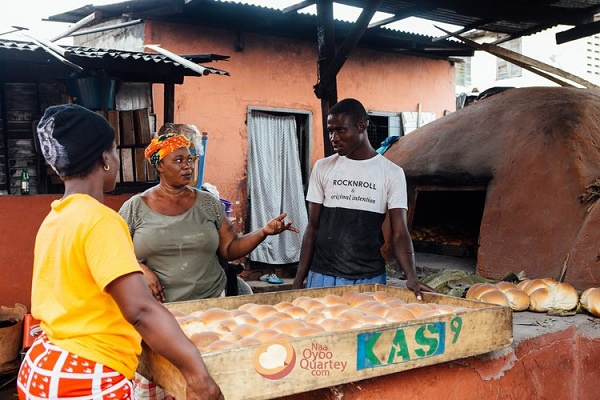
point(49, 372)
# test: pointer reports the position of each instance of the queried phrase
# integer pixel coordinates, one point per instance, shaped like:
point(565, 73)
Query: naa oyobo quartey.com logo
point(275, 360)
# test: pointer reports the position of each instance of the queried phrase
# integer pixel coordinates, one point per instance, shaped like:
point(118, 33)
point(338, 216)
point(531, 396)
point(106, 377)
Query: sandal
point(274, 279)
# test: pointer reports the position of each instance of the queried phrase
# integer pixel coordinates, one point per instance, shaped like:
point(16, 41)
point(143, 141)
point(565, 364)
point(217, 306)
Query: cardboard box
point(127, 165)
point(141, 122)
point(140, 166)
point(113, 119)
point(334, 358)
point(126, 127)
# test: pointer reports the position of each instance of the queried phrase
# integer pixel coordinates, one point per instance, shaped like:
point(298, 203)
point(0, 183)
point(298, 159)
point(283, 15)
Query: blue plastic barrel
point(201, 158)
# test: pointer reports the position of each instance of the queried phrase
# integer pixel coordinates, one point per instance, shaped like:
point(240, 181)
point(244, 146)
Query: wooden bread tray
point(333, 358)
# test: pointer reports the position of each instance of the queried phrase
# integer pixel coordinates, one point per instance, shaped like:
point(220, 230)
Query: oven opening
point(446, 220)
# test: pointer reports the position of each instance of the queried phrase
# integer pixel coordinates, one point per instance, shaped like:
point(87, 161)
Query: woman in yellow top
point(88, 290)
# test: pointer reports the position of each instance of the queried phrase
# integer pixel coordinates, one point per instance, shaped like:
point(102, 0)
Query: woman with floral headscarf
point(178, 230)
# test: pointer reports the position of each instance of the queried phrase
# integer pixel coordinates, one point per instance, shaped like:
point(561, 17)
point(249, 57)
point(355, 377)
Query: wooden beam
point(298, 6)
point(527, 63)
point(178, 59)
point(107, 27)
point(464, 29)
point(185, 62)
point(85, 21)
point(13, 29)
point(348, 45)
point(578, 32)
point(54, 50)
point(410, 12)
point(516, 10)
point(530, 31)
point(326, 51)
point(169, 103)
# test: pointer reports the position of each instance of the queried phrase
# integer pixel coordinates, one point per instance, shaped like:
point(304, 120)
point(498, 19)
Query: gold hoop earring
point(106, 167)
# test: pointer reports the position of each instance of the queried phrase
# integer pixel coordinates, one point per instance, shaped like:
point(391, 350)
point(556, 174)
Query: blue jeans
point(316, 280)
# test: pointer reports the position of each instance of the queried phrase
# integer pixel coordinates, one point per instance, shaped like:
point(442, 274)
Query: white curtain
point(275, 185)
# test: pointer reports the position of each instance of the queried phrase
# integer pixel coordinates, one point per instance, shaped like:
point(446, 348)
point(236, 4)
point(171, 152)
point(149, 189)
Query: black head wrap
point(72, 138)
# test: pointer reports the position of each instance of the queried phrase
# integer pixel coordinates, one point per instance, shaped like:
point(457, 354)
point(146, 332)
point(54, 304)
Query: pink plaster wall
point(281, 72)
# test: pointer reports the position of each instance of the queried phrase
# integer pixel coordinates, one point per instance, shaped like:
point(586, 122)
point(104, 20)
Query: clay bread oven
point(535, 155)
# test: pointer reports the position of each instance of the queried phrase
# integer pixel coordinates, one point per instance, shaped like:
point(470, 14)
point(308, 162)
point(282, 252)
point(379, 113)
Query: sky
point(30, 14)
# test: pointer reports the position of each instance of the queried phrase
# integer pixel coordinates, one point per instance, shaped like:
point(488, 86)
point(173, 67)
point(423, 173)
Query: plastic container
point(92, 92)
point(228, 208)
point(201, 158)
point(10, 341)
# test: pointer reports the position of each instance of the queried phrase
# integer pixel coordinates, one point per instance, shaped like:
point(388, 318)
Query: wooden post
point(331, 62)
point(326, 51)
point(169, 100)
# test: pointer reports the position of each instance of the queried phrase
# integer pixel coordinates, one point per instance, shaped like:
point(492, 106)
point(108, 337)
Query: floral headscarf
point(163, 145)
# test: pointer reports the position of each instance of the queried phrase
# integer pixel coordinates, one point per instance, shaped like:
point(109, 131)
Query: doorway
point(278, 174)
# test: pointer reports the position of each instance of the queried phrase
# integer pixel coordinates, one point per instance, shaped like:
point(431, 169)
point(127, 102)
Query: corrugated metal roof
point(126, 65)
point(510, 17)
point(266, 21)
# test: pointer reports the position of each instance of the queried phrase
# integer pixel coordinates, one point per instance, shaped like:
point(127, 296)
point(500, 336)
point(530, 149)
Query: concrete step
point(264, 287)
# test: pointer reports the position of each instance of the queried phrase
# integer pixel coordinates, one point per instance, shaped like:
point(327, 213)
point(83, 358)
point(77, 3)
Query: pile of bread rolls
point(539, 295)
point(218, 329)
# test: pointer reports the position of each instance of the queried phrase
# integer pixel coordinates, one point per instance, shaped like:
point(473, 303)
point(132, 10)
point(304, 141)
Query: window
point(463, 72)
point(593, 61)
point(504, 69)
point(303, 133)
point(381, 126)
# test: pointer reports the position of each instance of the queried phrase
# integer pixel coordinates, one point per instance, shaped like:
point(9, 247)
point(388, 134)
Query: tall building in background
point(484, 71)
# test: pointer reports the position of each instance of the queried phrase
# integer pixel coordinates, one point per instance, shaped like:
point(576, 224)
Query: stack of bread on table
point(538, 295)
point(251, 324)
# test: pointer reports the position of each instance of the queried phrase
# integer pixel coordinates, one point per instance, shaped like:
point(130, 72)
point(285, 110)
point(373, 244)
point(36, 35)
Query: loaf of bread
point(547, 294)
point(502, 294)
point(590, 300)
point(487, 293)
point(518, 299)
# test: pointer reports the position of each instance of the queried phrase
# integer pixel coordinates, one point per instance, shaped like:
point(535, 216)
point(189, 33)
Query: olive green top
point(180, 249)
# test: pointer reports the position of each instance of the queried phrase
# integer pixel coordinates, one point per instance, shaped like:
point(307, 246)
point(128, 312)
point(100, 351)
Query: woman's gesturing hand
point(278, 225)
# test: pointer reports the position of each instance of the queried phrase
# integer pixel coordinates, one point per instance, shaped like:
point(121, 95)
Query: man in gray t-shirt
point(349, 195)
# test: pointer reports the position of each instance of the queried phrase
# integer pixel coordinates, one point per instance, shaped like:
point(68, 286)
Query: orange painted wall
point(21, 218)
point(281, 72)
point(268, 72)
